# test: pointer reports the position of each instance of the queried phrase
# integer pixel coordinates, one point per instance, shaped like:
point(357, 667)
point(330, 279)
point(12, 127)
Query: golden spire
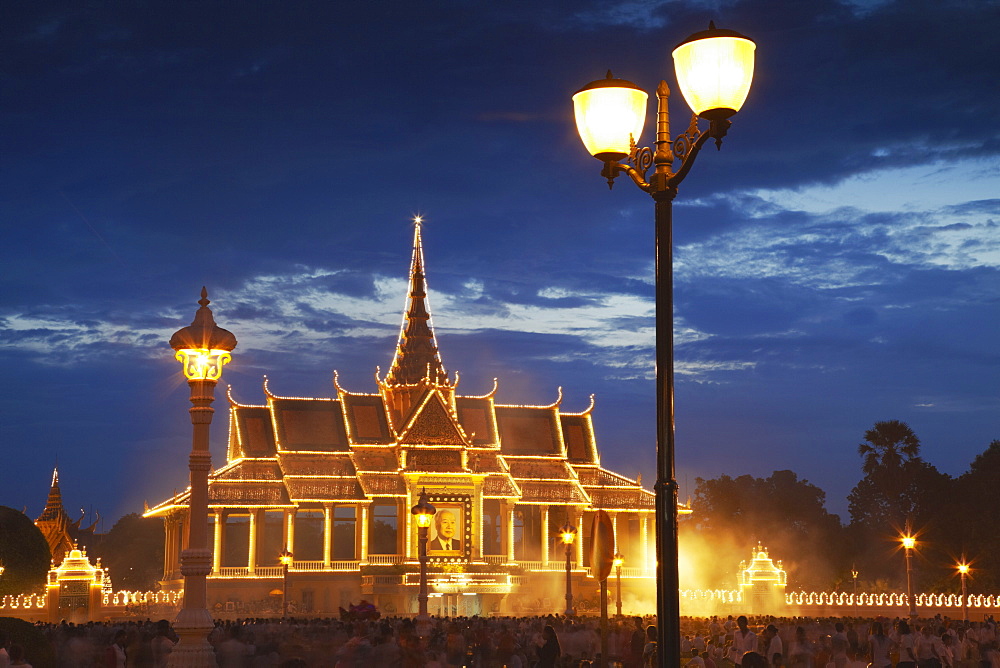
point(417, 359)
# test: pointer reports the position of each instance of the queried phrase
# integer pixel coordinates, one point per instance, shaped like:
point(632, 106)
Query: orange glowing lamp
point(714, 70)
point(203, 347)
point(567, 534)
point(618, 560)
point(286, 558)
point(963, 568)
point(909, 542)
point(423, 512)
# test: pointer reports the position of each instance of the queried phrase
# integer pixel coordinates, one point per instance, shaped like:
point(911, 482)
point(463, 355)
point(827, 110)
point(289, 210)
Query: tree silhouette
point(888, 451)
point(23, 552)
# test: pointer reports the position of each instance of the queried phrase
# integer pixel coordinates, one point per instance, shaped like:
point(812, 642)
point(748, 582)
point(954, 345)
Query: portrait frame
point(460, 510)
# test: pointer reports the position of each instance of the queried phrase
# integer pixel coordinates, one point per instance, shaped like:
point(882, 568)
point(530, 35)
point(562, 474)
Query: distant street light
point(619, 560)
point(963, 570)
point(854, 574)
point(424, 514)
point(909, 544)
point(568, 534)
point(203, 348)
point(286, 558)
point(714, 70)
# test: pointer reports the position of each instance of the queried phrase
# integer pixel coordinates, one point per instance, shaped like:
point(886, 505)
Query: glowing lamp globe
point(286, 557)
point(423, 512)
point(909, 542)
point(610, 114)
point(203, 347)
point(619, 560)
point(963, 568)
point(567, 534)
point(714, 70)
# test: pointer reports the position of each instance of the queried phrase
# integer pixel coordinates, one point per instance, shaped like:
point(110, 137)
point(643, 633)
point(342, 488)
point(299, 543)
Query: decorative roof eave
point(587, 411)
point(341, 391)
point(178, 501)
point(488, 395)
point(235, 404)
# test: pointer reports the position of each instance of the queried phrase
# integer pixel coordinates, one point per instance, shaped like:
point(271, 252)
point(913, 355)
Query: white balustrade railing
point(345, 565)
point(495, 558)
point(244, 572)
point(385, 559)
point(306, 565)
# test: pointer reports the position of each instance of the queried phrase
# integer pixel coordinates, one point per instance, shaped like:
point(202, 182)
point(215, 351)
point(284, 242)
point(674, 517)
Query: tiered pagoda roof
point(292, 451)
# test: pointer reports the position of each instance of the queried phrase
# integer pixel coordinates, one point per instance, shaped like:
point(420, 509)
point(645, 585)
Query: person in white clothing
point(773, 651)
point(744, 640)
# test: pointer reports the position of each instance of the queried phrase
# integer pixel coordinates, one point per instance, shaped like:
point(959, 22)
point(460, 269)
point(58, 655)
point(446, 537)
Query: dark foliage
point(23, 552)
point(133, 552)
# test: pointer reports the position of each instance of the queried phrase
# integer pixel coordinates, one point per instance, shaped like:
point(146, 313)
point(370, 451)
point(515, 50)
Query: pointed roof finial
point(416, 358)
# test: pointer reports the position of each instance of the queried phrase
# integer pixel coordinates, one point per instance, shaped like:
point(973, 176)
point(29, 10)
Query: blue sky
point(836, 262)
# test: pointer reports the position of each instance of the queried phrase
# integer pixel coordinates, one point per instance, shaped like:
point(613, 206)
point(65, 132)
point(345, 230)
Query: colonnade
point(551, 555)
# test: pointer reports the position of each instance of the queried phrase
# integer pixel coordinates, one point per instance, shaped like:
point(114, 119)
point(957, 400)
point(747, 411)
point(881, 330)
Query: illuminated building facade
point(332, 481)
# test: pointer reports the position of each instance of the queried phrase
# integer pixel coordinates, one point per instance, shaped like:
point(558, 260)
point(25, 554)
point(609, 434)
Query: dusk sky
point(837, 262)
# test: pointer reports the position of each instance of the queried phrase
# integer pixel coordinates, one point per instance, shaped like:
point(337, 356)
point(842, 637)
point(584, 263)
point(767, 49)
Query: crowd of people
point(541, 642)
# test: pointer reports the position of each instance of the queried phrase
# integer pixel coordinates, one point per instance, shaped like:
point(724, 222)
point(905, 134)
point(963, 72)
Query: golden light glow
point(424, 520)
point(619, 560)
point(714, 71)
point(609, 113)
point(909, 542)
point(203, 364)
point(286, 558)
point(963, 569)
point(567, 536)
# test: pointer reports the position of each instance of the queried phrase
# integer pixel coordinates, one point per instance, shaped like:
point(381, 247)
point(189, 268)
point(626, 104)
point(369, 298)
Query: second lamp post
point(714, 69)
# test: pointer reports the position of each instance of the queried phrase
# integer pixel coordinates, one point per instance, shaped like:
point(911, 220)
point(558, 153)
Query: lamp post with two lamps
point(203, 348)
point(424, 514)
point(568, 535)
point(714, 70)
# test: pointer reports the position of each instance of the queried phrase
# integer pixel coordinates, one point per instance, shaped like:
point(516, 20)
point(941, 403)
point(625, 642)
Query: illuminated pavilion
point(332, 480)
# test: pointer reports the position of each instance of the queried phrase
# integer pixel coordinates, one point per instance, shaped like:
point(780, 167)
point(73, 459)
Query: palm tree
point(889, 448)
point(886, 444)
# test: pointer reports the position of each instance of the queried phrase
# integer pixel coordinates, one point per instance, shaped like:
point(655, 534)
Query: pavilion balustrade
point(385, 559)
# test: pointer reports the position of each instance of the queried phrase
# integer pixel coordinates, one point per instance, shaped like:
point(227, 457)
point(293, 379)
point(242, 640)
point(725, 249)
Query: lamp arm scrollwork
point(688, 150)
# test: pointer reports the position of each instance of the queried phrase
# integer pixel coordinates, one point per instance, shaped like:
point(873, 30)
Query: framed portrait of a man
point(447, 531)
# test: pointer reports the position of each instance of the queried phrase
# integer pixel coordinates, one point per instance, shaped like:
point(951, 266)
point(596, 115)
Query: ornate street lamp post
point(568, 534)
point(203, 348)
point(714, 69)
point(909, 543)
point(963, 571)
point(287, 559)
point(424, 514)
point(619, 560)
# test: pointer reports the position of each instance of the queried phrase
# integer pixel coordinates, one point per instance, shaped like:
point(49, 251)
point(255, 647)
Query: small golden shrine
point(762, 582)
point(75, 587)
point(332, 480)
